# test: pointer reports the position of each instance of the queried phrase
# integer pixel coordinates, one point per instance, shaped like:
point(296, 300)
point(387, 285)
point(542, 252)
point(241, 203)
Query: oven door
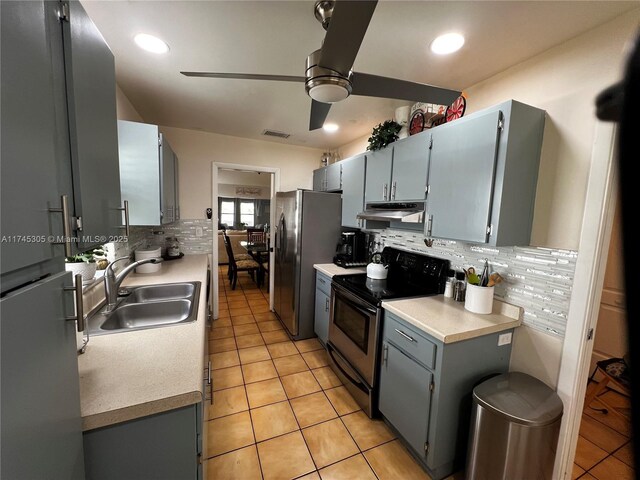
point(354, 330)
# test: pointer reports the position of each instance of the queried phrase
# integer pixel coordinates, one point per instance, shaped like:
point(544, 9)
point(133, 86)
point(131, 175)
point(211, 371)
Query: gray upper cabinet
point(410, 162)
point(328, 179)
point(148, 174)
point(353, 173)
point(28, 167)
point(378, 178)
point(91, 98)
point(483, 175)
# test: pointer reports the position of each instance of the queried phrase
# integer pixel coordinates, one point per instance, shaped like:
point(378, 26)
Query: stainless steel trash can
point(515, 423)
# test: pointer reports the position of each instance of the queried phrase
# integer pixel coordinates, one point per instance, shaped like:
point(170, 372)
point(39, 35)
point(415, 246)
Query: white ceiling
point(270, 37)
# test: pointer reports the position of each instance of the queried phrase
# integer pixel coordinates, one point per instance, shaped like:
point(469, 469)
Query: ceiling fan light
point(447, 43)
point(328, 93)
point(330, 127)
point(150, 43)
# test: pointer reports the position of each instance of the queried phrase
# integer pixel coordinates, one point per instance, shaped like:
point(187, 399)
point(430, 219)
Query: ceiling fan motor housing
point(323, 84)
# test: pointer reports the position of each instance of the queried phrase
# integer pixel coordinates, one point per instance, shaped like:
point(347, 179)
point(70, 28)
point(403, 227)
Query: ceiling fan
point(329, 78)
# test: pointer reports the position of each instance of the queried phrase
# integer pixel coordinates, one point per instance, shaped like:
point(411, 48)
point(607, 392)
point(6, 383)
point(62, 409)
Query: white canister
point(143, 254)
point(479, 299)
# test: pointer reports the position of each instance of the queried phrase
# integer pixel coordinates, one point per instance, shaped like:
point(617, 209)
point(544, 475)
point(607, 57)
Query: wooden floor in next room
point(279, 411)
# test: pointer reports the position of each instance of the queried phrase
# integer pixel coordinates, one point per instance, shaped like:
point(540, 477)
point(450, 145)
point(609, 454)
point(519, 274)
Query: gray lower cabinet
point(322, 306)
point(328, 179)
point(148, 174)
point(483, 175)
point(353, 173)
point(167, 445)
point(425, 390)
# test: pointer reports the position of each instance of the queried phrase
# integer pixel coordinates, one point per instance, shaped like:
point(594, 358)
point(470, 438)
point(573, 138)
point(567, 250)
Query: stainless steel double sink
point(149, 306)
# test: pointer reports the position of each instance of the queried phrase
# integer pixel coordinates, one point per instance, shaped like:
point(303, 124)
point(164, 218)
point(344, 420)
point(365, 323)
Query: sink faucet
point(112, 281)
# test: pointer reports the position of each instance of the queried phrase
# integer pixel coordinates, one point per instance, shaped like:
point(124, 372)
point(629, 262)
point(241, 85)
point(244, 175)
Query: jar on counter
point(460, 287)
point(448, 287)
point(173, 247)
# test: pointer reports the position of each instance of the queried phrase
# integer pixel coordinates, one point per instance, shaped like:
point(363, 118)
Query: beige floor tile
point(224, 313)
point(312, 409)
point(228, 401)
point(285, 457)
point(326, 378)
point(242, 464)
point(316, 359)
point(265, 392)
point(246, 329)
point(282, 349)
point(625, 454)
point(588, 454)
point(612, 468)
point(260, 309)
point(587, 476)
point(222, 345)
point(237, 320)
point(601, 435)
point(342, 400)
point(247, 341)
point(392, 462)
point(258, 371)
point(222, 322)
point(236, 312)
point(576, 472)
point(254, 354)
point(366, 432)
point(290, 364)
point(229, 433)
point(238, 304)
point(227, 378)
point(352, 468)
point(265, 317)
point(615, 422)
point(273, 420)
point(276, 336)
point(311, 476)
point(308, 345)
point(222, 332)
point(270, 326)
point(224, 359)
point(329, 442)
point(299, 384)
point(254, 294)
point(232, 293)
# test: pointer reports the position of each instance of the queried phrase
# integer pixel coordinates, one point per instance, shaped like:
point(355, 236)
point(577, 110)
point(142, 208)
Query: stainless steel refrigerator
point(307, 232)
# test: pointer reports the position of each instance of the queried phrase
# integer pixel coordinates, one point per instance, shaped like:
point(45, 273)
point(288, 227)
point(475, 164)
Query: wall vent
point(275, 133)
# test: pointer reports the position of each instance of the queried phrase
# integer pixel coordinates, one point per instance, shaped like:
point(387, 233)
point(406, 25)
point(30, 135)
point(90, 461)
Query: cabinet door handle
point(125, 209)
point(209, 373)
point(393, 190)
point(322, 280)
point(384, 192)
point(385, 354)
point(66, 225)
point(326, 305)
point(408, 337)
point(77, 289)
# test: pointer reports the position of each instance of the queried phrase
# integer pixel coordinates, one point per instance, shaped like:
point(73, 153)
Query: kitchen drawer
point(409, 341)
point(323, 282)
point(615, 298)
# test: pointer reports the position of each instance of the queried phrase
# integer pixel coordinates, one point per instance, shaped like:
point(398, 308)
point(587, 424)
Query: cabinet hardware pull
point(66, 226)
point(393, 190)
point(429, 225)
point(125, 209)
point(326, 305)
point(384, 191)
point(77, 289)
point(209, 373)
point(411, 339)
point(385, 354)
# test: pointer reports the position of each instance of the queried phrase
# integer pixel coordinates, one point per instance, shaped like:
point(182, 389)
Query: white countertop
point(448, 321)
point(133, 374)
point(331, 269)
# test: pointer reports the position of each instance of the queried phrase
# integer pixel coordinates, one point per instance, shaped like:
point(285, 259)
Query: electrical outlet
point(198, 231)
point(504, 339)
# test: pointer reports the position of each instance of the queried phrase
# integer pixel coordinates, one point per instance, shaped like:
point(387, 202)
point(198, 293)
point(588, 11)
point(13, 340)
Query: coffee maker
point(352, 250)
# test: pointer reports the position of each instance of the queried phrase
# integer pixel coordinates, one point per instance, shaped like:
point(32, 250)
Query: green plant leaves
point(383, 134)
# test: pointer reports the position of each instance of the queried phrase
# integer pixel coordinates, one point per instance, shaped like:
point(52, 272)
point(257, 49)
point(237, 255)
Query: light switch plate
point(504, 339)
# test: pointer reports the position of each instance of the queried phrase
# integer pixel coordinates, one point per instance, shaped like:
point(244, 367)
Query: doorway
point(242, 196)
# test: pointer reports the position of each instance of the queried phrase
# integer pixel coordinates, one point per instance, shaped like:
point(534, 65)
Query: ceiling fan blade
point(245, 76)
point(319, 112)
point(347, 27)
point(385, 87)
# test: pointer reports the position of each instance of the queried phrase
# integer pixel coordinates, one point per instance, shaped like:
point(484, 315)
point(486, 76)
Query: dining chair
point(235, 266)
point(255, 235)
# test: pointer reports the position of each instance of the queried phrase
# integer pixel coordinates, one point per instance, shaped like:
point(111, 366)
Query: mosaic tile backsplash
point(537, 279)
point(194, 236)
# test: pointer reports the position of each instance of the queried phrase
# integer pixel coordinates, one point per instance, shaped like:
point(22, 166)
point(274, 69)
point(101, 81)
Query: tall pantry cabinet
point(59, 178)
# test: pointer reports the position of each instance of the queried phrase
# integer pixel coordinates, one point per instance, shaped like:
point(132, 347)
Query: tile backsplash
point(537, 279)
point(194, 236)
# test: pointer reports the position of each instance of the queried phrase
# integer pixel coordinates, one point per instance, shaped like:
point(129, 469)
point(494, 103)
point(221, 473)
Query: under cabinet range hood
point(407, 212)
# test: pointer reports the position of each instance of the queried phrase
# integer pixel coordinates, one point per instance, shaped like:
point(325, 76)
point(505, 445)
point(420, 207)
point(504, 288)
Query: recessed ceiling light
point(150, 43)
point(447, 43)
point(330, 127)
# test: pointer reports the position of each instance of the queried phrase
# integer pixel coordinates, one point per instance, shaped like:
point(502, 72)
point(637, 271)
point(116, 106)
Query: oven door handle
point(336, 361)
